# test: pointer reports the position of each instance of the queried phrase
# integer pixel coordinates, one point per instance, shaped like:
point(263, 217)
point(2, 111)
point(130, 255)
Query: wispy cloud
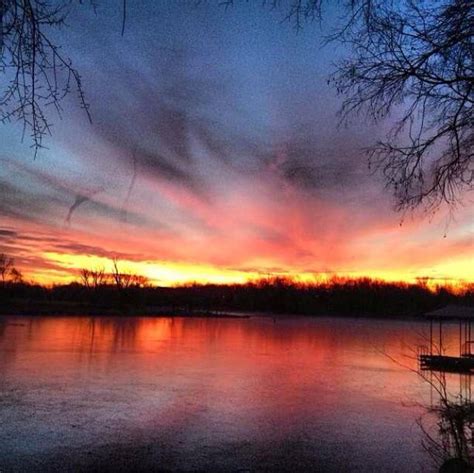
point(220, 154)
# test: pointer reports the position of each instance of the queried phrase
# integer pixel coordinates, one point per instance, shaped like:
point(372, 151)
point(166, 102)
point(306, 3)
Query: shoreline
point(209, 314)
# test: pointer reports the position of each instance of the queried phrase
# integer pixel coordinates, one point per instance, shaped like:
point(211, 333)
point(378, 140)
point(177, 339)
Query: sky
point(215, 154)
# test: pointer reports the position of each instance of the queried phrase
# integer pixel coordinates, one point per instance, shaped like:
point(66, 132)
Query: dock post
point(440, 337)
point(431, 336)
point(469, 337)
point(460, 337)
point(466, 334)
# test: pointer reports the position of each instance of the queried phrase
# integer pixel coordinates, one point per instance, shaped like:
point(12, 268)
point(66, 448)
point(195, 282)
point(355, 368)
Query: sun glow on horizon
point(225, 174)
point(173, 273)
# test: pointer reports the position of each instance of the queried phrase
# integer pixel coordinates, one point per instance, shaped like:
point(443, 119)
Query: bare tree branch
point(35, 72)
point(416, 61)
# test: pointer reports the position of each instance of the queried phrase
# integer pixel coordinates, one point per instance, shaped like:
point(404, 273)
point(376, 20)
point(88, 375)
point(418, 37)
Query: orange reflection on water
point(294, 348)
point(214, 382)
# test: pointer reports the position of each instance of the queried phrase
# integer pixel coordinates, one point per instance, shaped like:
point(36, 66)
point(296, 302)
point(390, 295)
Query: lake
point(196, 394)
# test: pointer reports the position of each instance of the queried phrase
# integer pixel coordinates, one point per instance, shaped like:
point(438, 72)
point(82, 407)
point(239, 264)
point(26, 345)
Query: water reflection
point(448, 427)
point(193, 394)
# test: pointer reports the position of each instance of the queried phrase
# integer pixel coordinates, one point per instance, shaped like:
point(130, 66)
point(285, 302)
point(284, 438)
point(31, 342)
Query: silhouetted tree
point(16, 276)
point(99, 277)
point(416, 59)
point(93, 278)
point(6, 266)
point(85, 277)
point(8, 272)
point(138, 280)
point(125, 279)
point(122, 279)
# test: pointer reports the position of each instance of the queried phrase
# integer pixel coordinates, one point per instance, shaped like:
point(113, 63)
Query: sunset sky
point(214, 155)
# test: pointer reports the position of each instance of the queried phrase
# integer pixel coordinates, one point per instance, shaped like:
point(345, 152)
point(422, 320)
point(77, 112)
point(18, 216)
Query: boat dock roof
point(454, 312)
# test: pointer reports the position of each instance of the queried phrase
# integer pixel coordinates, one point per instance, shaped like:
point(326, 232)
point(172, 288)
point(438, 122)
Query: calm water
point(193, 394)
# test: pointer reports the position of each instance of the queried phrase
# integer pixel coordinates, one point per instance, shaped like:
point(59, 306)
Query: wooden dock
point(432, 357)
point(453, 364)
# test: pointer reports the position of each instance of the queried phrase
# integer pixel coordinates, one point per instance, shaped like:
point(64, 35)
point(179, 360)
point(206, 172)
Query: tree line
point(122, 292)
